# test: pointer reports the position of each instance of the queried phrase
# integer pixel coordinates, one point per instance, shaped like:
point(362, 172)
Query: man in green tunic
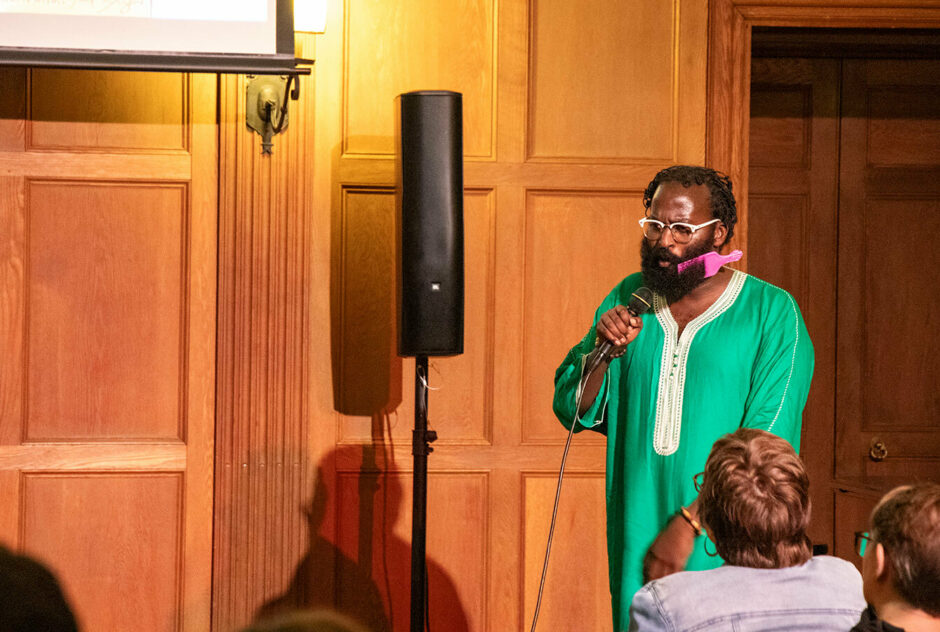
point(714, 354)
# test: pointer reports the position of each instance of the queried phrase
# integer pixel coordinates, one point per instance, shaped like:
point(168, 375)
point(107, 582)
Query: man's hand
point(670, 551)
point(620, 327)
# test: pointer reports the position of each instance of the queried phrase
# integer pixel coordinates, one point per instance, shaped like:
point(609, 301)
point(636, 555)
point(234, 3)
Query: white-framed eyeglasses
point(681, 231)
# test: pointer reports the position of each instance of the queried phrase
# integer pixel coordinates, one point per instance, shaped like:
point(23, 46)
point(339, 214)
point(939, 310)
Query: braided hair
point(723, 205)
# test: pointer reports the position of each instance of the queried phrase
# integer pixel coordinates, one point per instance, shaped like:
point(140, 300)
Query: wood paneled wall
point(107, 326)
point(569, 110)
point(109, 186)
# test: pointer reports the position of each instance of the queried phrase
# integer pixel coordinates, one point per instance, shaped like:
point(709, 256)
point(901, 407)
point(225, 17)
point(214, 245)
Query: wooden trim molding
point(728, 101)
point(261, 456)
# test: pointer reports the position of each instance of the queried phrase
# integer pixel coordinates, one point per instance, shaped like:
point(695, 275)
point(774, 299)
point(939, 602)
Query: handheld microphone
point(640, 302)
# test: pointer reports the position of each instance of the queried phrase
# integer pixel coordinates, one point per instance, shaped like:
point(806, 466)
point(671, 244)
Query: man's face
point(673, 202)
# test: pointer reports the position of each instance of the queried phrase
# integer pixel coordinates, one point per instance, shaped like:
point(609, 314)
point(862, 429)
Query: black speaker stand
point(420, 447)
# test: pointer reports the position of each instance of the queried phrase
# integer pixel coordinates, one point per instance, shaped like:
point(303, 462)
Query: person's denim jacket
point(825, 593)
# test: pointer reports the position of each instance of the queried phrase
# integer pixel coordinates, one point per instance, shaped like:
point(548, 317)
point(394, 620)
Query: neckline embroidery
point(675, 355)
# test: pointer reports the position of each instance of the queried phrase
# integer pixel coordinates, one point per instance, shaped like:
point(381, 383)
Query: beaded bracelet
point(692, 521)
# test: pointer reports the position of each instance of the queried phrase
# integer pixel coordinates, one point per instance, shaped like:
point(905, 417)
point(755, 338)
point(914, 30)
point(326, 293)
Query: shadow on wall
point(31, 599)
point(363, 569)
point(367, 372)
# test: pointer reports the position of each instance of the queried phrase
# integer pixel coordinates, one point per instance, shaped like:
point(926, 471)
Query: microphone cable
point(561, 474)
point(641, 300)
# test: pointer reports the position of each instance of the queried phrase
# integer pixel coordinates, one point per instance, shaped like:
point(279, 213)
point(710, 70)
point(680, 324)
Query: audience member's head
point(901, 569)
point(30, 597)
point(754, 501)
point(306, 621)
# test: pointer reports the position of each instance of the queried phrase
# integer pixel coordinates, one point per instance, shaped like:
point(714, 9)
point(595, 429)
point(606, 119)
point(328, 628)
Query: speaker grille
point(430, 203)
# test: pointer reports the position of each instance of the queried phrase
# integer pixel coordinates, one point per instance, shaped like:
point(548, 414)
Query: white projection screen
point(252, 36)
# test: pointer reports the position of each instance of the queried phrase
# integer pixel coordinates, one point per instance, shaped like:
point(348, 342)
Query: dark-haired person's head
point(306, 621)
point(30, 597)
point(901, 566)
point(754, 501)
point(721, 198)
point(690, 211)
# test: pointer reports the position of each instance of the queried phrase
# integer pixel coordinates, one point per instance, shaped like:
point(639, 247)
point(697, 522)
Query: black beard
point(667, 282)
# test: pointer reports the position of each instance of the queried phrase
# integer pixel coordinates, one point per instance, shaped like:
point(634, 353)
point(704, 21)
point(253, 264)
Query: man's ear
point(720, 235)
point(881, 562)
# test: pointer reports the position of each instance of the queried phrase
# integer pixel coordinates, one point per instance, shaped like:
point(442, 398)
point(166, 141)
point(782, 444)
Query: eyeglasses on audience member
point(862, 540)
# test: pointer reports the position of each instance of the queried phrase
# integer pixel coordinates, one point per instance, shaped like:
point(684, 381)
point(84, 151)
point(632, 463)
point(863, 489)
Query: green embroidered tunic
point(746, 361)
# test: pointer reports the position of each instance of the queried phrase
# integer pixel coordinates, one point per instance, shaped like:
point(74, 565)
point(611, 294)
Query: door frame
point(728, 73)
point(728, 97)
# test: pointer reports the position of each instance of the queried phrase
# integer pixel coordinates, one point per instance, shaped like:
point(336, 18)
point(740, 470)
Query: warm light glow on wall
point(310, 16)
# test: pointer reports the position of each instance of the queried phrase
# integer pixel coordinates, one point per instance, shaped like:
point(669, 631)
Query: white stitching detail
point(668, 425)
point(796, 340)
point(664, 398)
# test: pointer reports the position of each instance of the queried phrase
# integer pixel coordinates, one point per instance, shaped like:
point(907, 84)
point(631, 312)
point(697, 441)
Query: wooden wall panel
point(569, 269)
point(10, 497)
point(12, 109)
point(907, 112)
point(788, 127)
point(13, 306)
point(373, 377)
point(108, 279)
point(400, 46)
point(110, 536)
point(632, 49)
point(369, 375)
point(462, 412)
point(106, 310)
point(108, 110)
point(781, 227)
point(460, 498)
point(888, 274)
point(577, 592)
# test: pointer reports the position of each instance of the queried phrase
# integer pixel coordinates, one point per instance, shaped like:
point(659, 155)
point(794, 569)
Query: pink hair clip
point(711, 261)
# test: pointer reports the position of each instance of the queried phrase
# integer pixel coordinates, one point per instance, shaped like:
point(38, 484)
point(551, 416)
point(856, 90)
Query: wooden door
point(888, 389)
point(854, 171)
point(791, 239)
point(107, 269)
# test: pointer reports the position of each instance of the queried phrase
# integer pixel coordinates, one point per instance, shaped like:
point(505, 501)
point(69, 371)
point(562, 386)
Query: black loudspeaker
point(429, 196)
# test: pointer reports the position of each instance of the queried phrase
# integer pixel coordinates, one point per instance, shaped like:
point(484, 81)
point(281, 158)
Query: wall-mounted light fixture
point(266, 96)
point(310, 16)
point(266, 105)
